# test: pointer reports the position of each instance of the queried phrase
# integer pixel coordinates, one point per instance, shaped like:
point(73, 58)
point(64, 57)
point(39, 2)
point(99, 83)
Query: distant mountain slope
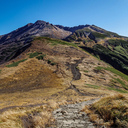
point(91, 31)
point(113, 51)
point(72, 29)
point(107, 46)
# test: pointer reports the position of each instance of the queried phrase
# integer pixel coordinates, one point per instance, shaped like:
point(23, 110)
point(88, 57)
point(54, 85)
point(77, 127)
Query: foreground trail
point(70, 116)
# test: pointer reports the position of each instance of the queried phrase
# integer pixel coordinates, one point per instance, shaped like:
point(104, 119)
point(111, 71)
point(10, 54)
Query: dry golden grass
point(29, 84)
point(111, 111)
point(36, 117)
point(53, 104)
point(41, 120)
point(32, 75)
point(10, 119)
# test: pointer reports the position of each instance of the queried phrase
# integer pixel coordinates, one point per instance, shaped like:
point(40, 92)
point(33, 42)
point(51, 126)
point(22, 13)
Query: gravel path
point(70, 116)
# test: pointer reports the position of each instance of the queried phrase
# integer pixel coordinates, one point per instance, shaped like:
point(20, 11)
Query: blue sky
point(111, 15)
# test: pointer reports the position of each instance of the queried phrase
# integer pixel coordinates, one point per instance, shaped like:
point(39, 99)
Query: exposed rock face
point(39, 28)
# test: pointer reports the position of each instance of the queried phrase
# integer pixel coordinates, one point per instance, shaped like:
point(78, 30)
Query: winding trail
point(76, 76)
point(71, 116)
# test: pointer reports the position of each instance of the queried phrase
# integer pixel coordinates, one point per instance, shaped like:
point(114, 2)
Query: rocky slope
point(39, 28)
point(15, 42)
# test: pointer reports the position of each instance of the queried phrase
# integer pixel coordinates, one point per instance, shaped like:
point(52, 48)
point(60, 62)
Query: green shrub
point(117, 59)
point(113, 70)
point(55, 41)
point(110, 47)
point(118, 90)
point(51, 63)
point(85, 71)
point(93, 86)
point(117, 42)
point(116, 79)
point(14, 64)
point(98, 68)
point(32, 55)
point(41, 57)
point(99, 35)
point(122, 83)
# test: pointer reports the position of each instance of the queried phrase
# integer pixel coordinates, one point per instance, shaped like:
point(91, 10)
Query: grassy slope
point(109, 46)
point(33, 81)
point(30, 79)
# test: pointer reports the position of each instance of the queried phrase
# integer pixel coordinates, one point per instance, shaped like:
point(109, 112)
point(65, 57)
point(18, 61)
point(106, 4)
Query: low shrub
point(55, 41)
point(14, 64)
point(93, 86)
point(41, 57)
point(32, 55)
point(51, 63)
point(99, 35)
point(117, 90)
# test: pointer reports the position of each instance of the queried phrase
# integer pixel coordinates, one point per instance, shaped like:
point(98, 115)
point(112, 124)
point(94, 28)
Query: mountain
point(45, 67)
point(108, 46)
point(15, 42)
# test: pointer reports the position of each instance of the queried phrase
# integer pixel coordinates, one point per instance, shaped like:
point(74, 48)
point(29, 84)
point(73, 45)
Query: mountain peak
point(40, 22)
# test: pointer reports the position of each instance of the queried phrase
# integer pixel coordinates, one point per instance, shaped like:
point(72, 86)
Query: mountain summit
point(18, 40)
point(39, 28)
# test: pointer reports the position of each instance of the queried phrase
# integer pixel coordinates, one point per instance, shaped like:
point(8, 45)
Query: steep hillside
point(92, 32)
point(15, 42)
point(107, 46)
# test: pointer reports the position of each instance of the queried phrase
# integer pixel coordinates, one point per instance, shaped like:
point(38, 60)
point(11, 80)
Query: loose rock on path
point(70, 116)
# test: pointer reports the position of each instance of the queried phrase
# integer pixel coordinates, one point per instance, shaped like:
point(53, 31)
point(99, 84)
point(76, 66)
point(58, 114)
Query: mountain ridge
point(88, 37)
